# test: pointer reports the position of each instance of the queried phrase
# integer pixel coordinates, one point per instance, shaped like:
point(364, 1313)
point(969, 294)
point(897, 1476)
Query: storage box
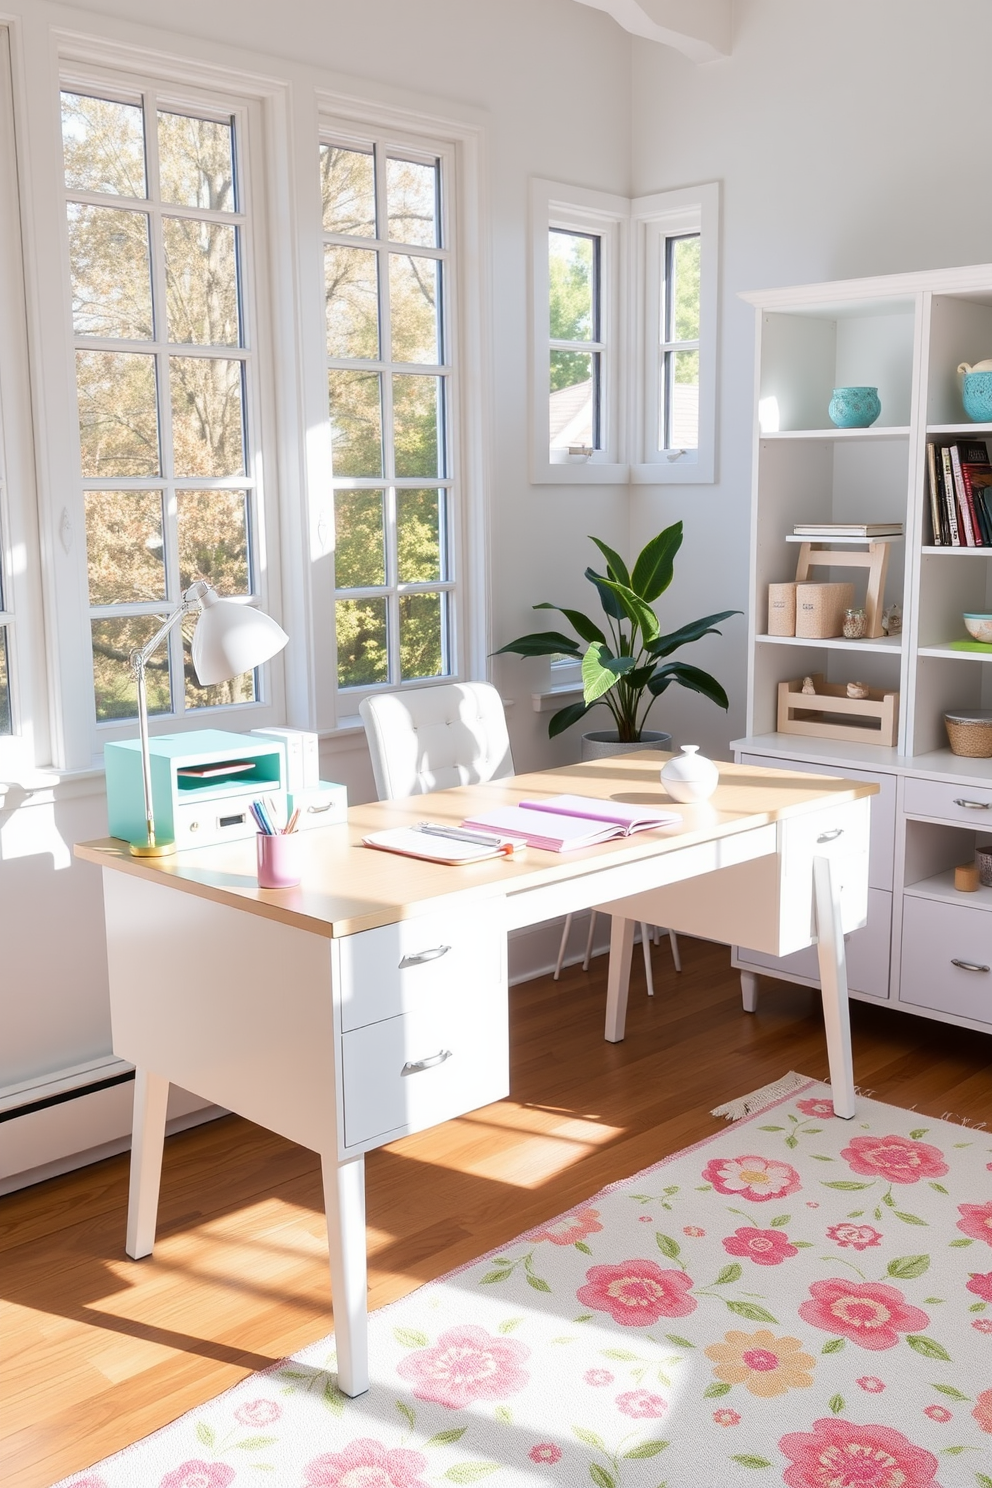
point(302, 766)
point(820, 609)
point(320, 806)
point(831, 714)
point(782, 609)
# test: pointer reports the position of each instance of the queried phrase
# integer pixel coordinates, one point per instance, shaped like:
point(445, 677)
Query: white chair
point(432, 738)
point(648, 934)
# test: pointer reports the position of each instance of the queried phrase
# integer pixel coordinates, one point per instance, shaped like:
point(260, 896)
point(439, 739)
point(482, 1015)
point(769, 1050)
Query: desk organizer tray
point(831, 714)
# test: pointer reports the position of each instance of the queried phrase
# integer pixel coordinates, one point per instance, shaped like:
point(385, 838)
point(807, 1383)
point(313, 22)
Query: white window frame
point(656, 219)
point(574, 209)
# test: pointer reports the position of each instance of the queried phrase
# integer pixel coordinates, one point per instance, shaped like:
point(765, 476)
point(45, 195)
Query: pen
point(481, 839)
point(291, 824)
point(258, 812)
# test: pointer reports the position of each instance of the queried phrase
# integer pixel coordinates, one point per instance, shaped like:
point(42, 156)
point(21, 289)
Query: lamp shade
point(231, 638)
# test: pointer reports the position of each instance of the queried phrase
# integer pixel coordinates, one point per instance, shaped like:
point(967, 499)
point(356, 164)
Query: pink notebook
point(566, 823)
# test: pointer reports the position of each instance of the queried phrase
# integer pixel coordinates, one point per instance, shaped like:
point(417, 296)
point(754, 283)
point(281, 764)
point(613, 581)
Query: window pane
point(347, 181)
point(361, 636)
point(413, 301)
point(213, 540)
point(201, 282)
point(207, 437)
point(110, 273)
point(196, 162)
point(352, 302)
point(118, 421)
point(360, 540)
point(421, 640)
point(124, 546)
point(419, 535)
point(242, 689)
point(572, 405)
point(416, 414)
point(573, 272)
point(115, 687)
point(411, 198)
point(103, 145)
point(356, 422)
point(6, 724)
point(682, 381)
point(684, 257)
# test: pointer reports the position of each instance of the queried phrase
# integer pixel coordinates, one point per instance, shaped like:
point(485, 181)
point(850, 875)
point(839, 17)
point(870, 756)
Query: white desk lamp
point(230, 638)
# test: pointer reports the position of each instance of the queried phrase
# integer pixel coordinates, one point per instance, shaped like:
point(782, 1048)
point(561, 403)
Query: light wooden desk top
point(347, 888)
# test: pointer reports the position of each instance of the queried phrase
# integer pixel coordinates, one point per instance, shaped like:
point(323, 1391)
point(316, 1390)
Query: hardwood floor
point(99, 1350)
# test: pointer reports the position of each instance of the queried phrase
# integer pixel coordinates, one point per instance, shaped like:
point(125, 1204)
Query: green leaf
point(470, 1472)
point(504, 1414)
point(493, 1276)
point(654, 564)
point(537, 1283)
point(977, 1307)
point(833, 1346)
point(509, 1325)
point(541, 643)
point(333, 1399)
point(950, 1391)
point(836, 1404)
point(919, 1132)
point(728, 1274)
point(205, 1433)
point(647, 1449)
point(615, 566)
point(621, 1354)
point(780, 1220)
point(802, 1244)
point(601, 670)
point(590, 1438)
point(640, 614)
point(928, 1347)
point(601, 1477)
point(847, 1184)
point(906, 1267)
point(822, 1157)
point(607, 598)
point(679, 1342)
point(408, 1415)
point(445, 1438)
point(581, 1245)
point(410, 1338)
point(255, 1443)
point(771, 1128)
point(586, 628)
point(938, 1187)
point(957, 1244)
point(746, 1461)
point(565, 717)
point(792, 1141)
point(752, 1312)
point(584, 1317)
point(669, 1247)
point(694, 631)
point(888, 1199)
point(692, 678)
point(715, 1390)
point(936, 1301)
point(913, 1219)
point(983, 1481)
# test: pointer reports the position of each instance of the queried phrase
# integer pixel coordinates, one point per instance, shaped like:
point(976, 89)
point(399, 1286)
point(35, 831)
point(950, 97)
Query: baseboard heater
point(42, 1103)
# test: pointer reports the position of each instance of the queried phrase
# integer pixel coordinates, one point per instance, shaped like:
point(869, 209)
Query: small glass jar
point(855, 625)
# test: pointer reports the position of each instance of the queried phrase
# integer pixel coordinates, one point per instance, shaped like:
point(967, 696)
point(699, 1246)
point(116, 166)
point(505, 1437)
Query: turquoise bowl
point(856, 407)
point(976, 395)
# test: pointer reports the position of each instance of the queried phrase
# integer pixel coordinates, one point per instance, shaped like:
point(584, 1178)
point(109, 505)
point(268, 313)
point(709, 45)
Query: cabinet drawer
point(971, 805)
point(867, 952)
point(935, 936)
point(839, 833)
point(881, 852)
point(462, 1048)
point(408, 966)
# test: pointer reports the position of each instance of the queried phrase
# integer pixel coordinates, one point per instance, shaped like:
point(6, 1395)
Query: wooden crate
point(831, 714)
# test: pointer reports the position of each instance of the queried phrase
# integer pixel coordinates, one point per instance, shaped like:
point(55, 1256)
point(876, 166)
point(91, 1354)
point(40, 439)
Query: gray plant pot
point(601, 743)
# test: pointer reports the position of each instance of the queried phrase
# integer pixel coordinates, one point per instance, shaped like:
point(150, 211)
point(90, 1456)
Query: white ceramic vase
point(690, 776)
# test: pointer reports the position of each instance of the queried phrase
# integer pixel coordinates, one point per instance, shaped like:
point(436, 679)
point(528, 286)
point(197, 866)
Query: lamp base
point(152, 849)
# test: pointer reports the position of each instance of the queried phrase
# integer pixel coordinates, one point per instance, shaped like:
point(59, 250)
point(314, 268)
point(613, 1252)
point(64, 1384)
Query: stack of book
point(959, 478)
point(824, 531)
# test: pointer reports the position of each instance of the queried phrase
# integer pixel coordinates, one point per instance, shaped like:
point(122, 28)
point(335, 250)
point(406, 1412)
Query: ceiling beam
point(700, 29)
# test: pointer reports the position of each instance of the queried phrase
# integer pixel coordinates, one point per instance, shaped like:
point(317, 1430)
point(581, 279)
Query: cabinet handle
point(414, 1066)
point(973, 805)
point(829, 836)
point(968, 965)
point(419, 957)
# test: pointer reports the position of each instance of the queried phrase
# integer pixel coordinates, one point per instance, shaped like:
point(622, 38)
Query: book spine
point(934, 493)
point(949, 501)
point(983, 499)
point(962, 495)
point(981, 540)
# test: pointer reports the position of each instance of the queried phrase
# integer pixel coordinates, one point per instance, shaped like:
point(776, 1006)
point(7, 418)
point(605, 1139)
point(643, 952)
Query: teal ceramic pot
point(976, 395)
point(854, 407)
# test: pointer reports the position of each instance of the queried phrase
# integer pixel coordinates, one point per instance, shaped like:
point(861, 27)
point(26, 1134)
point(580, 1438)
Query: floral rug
point(798, 1300)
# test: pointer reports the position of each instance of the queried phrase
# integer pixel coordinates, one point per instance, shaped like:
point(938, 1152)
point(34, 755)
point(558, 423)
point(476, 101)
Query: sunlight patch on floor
point(509, 1143)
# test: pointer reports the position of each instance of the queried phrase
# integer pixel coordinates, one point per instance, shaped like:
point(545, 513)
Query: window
point(388, 303)
point(159, 258)
point(575, 401)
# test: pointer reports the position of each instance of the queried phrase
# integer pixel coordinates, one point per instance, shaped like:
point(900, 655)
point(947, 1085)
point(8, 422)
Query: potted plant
point(625, 666)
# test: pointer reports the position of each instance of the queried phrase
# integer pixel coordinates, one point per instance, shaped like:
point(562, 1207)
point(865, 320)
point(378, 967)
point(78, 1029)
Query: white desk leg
point(833, 984)
point(749, 991)
point(618, 984)
point(151, 1098)
point(344, 1203)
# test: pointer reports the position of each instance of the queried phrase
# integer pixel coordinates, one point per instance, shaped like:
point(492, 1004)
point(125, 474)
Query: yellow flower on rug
point(764, 1364)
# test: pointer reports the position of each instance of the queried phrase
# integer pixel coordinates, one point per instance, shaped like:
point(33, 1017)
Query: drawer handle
point(420, 957)
point(414, 1066)
point(319, 810)
point(968, 965)
point(973, 805)
point(829, 836)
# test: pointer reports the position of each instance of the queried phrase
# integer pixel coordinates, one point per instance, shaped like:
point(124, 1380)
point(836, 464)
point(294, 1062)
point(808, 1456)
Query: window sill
point(553, 698)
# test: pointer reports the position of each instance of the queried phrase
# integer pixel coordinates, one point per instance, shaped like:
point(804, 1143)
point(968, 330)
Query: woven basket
point(970, 734)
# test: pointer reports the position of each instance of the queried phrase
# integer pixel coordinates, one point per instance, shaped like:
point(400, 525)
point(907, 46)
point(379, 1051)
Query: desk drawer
point(408, 966)
point(866, 950)
point(462, 1046)
point(971, 805)
point(934, 937)
point(839, 833)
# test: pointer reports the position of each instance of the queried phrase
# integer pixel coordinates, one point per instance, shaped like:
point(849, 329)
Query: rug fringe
point(767, 1095)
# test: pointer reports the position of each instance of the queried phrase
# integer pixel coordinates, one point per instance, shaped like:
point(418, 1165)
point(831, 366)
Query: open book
point(564, 823)
point(444, 845)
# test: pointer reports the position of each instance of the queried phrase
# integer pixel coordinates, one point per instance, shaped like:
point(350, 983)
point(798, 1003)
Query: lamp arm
point(138, 661)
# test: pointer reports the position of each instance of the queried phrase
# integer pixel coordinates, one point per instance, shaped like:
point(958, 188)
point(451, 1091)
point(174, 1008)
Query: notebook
point(566, 823)
point(414, 843)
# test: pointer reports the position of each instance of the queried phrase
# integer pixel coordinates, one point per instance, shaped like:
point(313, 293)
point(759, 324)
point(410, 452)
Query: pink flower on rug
point(981, 1285)
point(812, 1203)
point(726, 1418)
point(899, 1159)
point(858, 1237)
point(569, 1228)
point(466, 1364)
point(764, 1247)
point(693, 1231)
point(938, 1413)
point(637, 1293)
point(752, 1177)
point(871, 1383)
point(984, 1325)
point(258, 1413)
point(762, 1363)
point(90, 1482)
point(197, 1474)
point(839, 1454)
point(976, 1221)
point(598, 1377)
point(366, 1463)
point(645, 1219)
point(641, 1404)
point(820, 1108)
point(983, 1411)
point(545, 1452)
point(869, 1312)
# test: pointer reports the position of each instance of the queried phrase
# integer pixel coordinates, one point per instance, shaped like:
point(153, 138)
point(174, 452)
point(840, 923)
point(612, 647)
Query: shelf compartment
point(889, 644)
point(947, 552)
point(948, 653)
point(886, 431)
point(874, 719)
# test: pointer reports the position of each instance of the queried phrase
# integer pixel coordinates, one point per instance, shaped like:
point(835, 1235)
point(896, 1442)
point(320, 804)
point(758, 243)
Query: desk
point(371, 1001)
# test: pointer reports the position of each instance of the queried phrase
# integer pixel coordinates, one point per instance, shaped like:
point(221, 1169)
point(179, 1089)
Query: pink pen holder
point(278, 860)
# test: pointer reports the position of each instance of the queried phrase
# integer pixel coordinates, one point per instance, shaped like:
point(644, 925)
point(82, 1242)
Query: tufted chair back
point(431, 738)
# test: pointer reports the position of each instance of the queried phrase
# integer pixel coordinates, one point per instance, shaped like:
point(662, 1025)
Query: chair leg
point(674, 942)
point(564, 942)
point(592, 931)
point(646, 948)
